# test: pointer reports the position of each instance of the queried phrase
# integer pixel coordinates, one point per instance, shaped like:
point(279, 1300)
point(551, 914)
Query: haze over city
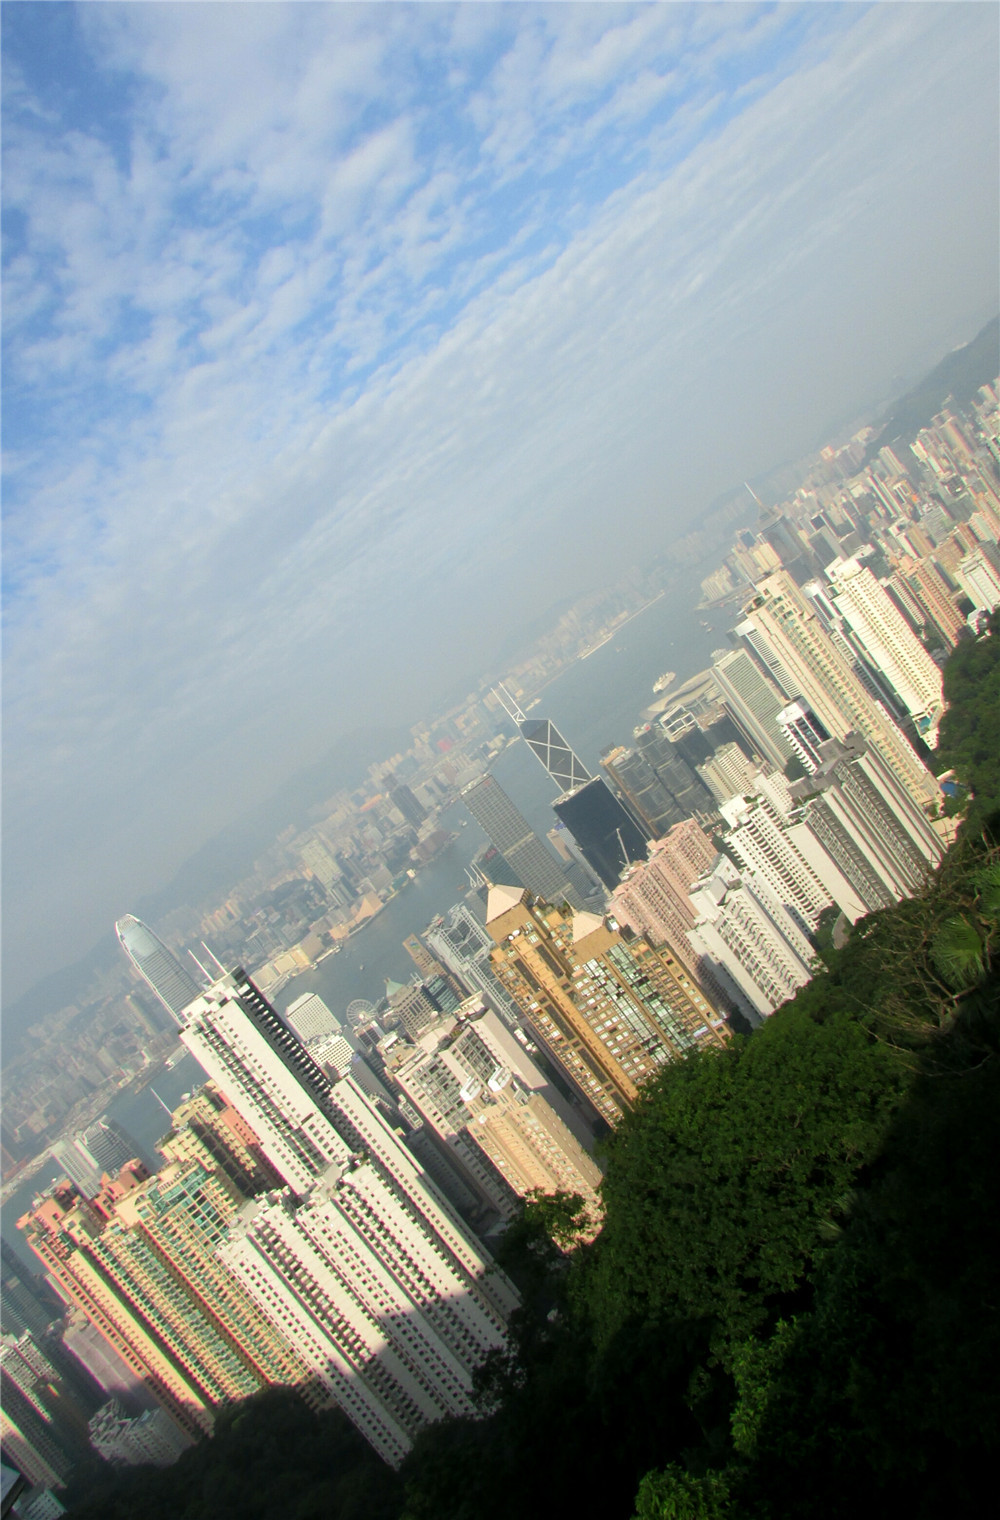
point(342, 340)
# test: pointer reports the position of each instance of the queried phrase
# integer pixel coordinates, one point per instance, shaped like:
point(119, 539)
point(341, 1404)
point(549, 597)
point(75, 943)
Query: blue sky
point(336, 335)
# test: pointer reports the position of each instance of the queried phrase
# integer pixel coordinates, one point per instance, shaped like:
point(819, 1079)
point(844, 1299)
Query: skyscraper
point(479, 1089)
point(754, 702)
point(609, 1011)
point(607, 835)
point(102, 1147)
point(462, 941)
point(643, 790)
point(159, 967)
point(755, 948)
point(411, 808)
point(783, 617)
point(377, 1283)
point(547, 745)
point(888, 641)
point(309, 1016)
point(510, 832)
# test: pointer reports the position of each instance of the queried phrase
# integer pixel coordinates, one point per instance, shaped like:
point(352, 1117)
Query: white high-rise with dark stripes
point(364, 1265)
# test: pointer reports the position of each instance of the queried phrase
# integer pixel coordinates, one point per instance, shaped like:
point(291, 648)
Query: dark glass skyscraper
point(546, 744)
point(159, 967)
point(608, 836)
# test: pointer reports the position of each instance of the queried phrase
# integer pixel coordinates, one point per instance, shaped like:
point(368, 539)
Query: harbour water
point(595, 702)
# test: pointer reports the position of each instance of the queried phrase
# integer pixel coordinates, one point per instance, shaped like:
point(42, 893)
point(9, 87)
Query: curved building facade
point(159, 967)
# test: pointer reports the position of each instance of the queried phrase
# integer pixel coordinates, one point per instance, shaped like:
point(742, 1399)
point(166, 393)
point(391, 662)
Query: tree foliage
point(791, 1308)
point(969, 740)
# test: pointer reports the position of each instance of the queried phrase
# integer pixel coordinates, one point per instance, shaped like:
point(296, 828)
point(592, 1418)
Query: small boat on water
point(667, 679)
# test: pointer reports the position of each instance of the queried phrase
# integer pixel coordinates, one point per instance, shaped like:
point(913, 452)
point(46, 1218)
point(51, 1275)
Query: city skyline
point(229, 451)
point(315, 889)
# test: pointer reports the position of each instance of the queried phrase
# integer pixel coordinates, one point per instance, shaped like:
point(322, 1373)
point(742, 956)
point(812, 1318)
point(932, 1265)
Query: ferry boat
point(666, 680)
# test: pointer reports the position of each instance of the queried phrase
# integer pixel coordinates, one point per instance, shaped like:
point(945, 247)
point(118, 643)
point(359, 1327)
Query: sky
point(340, 337)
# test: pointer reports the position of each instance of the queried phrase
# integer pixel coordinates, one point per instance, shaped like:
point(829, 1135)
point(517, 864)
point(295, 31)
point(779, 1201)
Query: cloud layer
point(334, 331)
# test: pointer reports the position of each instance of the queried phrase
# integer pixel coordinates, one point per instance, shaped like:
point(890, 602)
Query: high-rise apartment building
point(159, 967)
point(180, 1217)
point(373, 1299)
point(925, 584)
point(140, 1257)
point(756, 949)
point(45, 1412)
point(754, 702)
point(888, 642)
point(610, 1011)
point(979, 578)
point(65, 1232)
point(130, 1440)
point(881, 841)
point(43, 1451)
point(727, 772)
point(360, 1260)
point(478, 1088)
point(804, 733)
point(652, 897)
point(758, 840)
point(206, 1128)
point(507, 828)
point(26, 1300)
point(783, 616)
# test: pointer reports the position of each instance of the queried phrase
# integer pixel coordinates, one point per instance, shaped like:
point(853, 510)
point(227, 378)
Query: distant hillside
point(960, 375)
point(222, 861)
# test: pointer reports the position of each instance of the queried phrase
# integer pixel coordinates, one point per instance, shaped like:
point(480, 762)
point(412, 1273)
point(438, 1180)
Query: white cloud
point(317, 332)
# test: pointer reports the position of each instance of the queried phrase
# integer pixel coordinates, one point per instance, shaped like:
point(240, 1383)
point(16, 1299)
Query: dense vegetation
point(970, 730)
point(791, 1309)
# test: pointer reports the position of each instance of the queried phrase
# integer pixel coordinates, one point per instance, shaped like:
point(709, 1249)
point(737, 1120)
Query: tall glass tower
point(508, 829)
point(547, 745)
point(159, 967)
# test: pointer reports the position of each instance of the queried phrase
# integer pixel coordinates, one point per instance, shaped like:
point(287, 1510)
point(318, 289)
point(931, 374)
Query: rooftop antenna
point(215, 958)
point(621, 846)
point(200, 967)
point(756, 498)
point(509, 704)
